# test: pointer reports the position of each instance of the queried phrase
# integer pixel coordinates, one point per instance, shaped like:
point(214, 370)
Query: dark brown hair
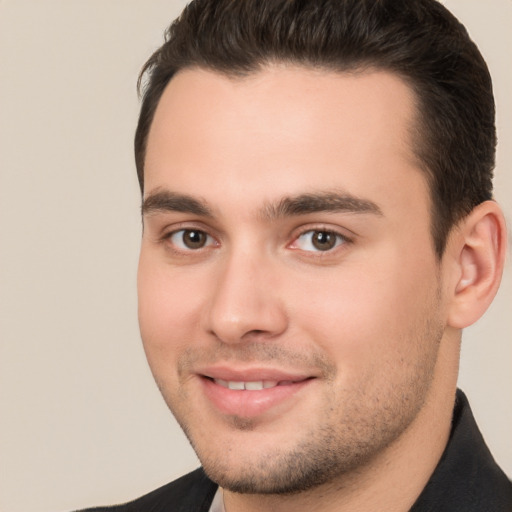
point(418, 40)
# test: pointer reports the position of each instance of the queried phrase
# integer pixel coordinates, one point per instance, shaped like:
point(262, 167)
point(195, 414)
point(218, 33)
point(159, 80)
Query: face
point(289, 295)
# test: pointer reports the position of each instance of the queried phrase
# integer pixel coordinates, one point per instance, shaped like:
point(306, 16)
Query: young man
point(318, 229)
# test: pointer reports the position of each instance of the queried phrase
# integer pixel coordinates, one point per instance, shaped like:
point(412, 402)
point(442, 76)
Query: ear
point(477, 248)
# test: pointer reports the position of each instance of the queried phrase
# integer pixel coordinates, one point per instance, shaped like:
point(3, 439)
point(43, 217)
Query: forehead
point(285, 128)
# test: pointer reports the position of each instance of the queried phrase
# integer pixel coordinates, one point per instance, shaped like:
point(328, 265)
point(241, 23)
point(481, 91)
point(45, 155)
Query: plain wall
point(81, 421)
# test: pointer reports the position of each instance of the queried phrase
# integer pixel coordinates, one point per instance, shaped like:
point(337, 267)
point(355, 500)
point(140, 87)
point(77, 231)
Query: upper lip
point(252, 374)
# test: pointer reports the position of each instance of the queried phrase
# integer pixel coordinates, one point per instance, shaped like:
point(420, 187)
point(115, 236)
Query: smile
point(249, 396)
point(250, 385)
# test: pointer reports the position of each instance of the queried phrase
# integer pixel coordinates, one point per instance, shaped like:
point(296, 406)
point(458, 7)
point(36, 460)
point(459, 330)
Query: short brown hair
point(419, 40)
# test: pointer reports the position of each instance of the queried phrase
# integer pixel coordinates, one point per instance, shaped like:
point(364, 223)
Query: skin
point(371, 322)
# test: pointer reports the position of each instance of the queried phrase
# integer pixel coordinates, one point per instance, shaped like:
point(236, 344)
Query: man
point(318, 229)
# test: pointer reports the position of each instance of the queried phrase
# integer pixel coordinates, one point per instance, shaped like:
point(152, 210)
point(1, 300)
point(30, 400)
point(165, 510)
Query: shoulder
point(191, 492)
point(467, 476)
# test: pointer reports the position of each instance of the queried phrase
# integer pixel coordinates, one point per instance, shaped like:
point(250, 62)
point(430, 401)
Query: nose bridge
point(245, 301)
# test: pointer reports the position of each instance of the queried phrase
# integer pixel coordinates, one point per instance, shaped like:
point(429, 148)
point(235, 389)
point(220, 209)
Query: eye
point(319, 240)
point(190, 239)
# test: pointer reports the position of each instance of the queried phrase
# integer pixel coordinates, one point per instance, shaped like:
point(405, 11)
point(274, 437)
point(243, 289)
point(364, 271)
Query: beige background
point(81, 422)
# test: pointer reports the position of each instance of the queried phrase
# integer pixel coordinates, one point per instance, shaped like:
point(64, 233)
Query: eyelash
point(168, 237)
point(341, 240)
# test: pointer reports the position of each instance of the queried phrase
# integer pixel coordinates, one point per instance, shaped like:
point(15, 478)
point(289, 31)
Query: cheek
point(168, 302)
point(367, 317)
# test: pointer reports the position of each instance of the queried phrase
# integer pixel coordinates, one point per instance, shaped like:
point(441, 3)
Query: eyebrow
point(167, 201)
point(319, 202)
point(294, 206)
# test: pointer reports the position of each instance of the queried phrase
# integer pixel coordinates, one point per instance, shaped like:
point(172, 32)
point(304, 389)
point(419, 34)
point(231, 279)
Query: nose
point(245, 303)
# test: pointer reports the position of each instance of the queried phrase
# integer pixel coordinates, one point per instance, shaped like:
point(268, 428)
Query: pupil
point(323, 240)
point(194, 239)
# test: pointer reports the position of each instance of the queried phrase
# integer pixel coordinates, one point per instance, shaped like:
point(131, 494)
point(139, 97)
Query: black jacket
point(467, 479)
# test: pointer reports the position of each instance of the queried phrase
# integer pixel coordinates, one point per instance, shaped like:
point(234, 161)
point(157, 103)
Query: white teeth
point(236, 385)
point(254, 386)
point(223, 383)
point(250, 386)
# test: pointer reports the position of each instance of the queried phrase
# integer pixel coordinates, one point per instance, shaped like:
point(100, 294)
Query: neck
point(392, 480)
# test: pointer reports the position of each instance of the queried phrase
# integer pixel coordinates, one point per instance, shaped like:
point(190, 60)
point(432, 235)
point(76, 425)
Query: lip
point(251, 403)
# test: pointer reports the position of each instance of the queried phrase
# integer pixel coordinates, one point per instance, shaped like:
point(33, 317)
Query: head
point(420, 41)
point(316, 232)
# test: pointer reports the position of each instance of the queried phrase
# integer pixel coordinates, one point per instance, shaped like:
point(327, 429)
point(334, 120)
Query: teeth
point(220, 382)
point(250, 386)
point(254, 386)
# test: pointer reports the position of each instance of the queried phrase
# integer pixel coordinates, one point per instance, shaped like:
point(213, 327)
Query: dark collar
point(467, 479)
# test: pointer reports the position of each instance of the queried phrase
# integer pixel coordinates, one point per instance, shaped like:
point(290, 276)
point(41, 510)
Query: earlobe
point(479, 248)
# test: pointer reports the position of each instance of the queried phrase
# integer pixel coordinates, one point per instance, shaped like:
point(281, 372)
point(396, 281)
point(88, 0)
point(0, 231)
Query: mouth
point(253, 394)
point(256, 385)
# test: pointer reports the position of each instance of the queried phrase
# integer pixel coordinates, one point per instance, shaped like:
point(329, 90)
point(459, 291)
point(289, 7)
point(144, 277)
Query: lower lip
point(248, 403)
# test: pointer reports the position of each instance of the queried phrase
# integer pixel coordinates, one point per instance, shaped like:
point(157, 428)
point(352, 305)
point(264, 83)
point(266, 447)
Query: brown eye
point(319, 240)
point(324, 240)
point(190, 239)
